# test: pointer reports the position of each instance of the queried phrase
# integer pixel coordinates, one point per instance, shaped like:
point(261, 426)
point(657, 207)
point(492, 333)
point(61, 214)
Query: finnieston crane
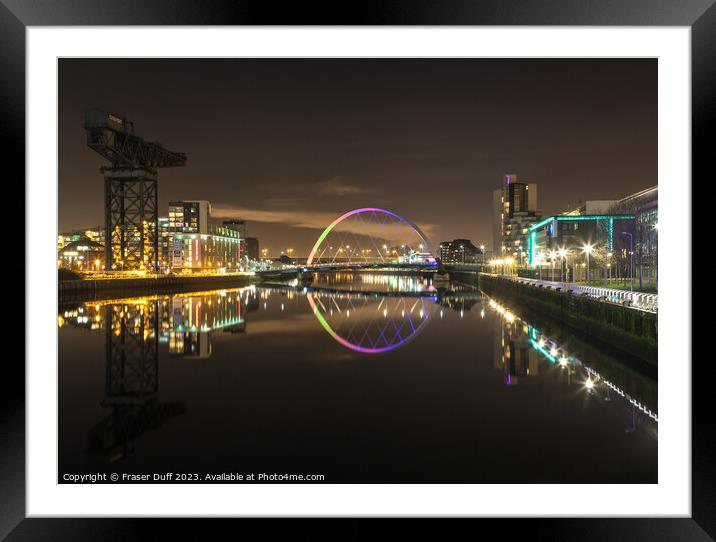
point(131, 215)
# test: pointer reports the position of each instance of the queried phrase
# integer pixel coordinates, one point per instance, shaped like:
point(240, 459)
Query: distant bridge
point(369, 239)
point(303, 270)
point(420, 269)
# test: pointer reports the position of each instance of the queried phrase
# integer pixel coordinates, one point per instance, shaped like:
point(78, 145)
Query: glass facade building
point(644, 206)
point(558, 246)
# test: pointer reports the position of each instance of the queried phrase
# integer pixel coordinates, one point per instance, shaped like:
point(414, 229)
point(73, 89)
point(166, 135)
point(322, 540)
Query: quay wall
point(631, 330)
point(97, 289)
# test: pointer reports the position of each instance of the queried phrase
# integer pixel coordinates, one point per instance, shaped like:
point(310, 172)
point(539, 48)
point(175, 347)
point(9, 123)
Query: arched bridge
point(369, 238)
point(370, 235)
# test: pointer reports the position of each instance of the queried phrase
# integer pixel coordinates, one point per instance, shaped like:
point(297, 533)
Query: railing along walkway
point(637, 300)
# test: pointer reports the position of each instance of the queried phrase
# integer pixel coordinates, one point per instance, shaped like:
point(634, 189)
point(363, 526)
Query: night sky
point(291, 144)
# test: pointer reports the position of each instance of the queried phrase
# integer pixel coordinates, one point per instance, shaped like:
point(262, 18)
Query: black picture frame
point(17, 15)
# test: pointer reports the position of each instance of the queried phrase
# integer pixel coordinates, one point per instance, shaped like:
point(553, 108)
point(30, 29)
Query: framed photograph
point(282, 265)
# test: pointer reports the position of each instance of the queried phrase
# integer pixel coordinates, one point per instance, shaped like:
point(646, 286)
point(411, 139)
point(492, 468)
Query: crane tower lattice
point(130, 194)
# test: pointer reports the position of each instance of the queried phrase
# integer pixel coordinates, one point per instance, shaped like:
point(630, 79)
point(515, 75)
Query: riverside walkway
point(636, 300)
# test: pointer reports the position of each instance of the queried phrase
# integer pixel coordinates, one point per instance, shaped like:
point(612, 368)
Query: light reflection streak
point(557, 355)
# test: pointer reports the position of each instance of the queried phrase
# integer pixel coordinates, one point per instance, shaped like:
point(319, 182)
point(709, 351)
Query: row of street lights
point(501, 265)
point(587, 249)
point(562, 253)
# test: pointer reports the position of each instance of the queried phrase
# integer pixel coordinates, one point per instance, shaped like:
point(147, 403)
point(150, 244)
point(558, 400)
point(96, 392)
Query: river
point(358, 378)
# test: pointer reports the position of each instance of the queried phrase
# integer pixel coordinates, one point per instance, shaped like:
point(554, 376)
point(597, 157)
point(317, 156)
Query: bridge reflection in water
point(366, 313)
point(368, 323)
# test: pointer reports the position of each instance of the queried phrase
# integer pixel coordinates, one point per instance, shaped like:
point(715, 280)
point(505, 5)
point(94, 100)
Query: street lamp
point(552, 257)
point(587, 249)
point(539, 260)
point(631, 260)
point(562, 256)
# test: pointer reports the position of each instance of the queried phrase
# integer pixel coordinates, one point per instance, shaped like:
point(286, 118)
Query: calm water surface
point(361, 378)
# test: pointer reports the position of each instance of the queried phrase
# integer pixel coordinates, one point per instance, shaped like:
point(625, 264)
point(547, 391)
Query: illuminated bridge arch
point(370, 235)
point(370, 324)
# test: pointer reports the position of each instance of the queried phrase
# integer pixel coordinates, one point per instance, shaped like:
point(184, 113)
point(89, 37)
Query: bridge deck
point(376, 293)
point(422, 268)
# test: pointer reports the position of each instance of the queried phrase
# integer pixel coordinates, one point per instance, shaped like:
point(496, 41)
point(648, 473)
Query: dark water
point(359, 378)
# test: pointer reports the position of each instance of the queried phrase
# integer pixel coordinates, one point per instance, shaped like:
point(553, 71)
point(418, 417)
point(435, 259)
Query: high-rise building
point(165, 242)
point(189, 216)
point(189, 241)
point(518, 210)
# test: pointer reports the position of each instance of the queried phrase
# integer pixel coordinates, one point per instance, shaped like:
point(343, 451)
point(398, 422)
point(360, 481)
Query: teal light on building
point(574, 231)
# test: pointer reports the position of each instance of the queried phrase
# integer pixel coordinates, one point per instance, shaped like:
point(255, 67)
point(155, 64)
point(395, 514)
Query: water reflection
point(133, 330)
point(371, 324)
point(183, 321)
point(374, 313)
point(372, 281)
point(520, 349)
point(188, 320)
point(132, 376)
point(368, 314)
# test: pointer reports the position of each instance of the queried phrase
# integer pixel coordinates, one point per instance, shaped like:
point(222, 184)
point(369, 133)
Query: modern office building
point(219, 249)
point(461, 251)
point(516, 210)
point(644, 205)
point(189, 241)
point(562, 247)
